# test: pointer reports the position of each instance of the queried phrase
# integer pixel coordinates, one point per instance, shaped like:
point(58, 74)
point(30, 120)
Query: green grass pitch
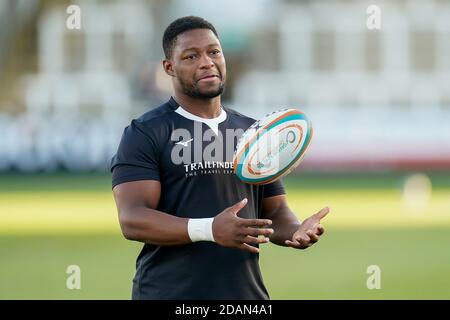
point(48, 222)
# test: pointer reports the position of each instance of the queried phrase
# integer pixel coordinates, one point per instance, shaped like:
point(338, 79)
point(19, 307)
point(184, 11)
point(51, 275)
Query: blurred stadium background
point(380, 157)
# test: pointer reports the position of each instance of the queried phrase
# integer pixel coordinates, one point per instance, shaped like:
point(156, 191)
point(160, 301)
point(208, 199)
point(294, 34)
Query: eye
point(215, 52)
point(190, 57)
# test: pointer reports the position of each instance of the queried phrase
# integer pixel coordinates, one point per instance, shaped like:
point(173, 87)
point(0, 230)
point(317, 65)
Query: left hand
point(309, 231)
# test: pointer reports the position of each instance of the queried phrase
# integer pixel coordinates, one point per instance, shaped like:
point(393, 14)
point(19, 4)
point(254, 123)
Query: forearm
point(284, 224)
point(154, 227)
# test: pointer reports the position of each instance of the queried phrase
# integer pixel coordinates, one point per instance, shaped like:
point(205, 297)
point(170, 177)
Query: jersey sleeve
point(137, 157)
point(273, 189)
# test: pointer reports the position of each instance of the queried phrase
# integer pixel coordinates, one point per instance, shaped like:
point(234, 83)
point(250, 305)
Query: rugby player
point(200, 225)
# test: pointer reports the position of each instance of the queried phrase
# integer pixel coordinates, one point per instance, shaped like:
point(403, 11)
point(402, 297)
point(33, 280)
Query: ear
point(168, 67)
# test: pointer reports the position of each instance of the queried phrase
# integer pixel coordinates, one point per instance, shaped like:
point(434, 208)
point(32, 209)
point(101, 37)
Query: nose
point(206, 62)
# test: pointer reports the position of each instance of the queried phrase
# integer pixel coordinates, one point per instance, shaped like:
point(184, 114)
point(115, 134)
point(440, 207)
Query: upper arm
point(272, 189)
point(274, 199)
point(272, 205)
point(132, 195)
point(137, 157)
point(276, 209)
point(144, 193)
point(135, 168)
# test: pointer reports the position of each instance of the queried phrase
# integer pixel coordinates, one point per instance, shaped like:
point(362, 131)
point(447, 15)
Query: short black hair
point(181, 25)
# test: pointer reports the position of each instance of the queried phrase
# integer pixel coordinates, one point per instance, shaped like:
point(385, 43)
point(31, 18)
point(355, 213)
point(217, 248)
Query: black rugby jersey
point(192, 158)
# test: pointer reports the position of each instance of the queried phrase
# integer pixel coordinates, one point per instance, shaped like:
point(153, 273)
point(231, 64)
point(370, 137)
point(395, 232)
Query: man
point(200, 225)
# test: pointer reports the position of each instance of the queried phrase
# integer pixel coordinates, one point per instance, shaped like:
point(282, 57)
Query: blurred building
point(378, 99)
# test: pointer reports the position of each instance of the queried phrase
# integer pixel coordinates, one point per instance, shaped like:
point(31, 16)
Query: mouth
point(208, 77)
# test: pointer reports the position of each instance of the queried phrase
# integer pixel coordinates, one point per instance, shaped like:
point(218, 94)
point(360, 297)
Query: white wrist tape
point(200, 229)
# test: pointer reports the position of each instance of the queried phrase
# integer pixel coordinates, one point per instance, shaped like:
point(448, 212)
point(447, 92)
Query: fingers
point(254, 236)
point(320, 230)
point(249, 241)
point(313, 237)
point(321, 214)
point(249, 248)
point(257, 231)
point(255, 240)
point(297, 245)
point(238, 206)
point(255, 222)
point(299, 242)
point(303, 239)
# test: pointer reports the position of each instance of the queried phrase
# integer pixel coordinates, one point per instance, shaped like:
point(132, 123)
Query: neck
point(204, 108)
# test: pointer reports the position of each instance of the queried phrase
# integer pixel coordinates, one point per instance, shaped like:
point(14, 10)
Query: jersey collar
point(212, 123)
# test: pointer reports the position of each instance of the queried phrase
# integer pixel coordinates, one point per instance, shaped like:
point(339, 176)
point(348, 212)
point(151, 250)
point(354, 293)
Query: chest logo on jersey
point(204, 151)
point(184, 143)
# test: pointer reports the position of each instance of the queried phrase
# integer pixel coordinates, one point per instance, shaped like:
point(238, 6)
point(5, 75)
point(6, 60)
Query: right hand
point(231, 231)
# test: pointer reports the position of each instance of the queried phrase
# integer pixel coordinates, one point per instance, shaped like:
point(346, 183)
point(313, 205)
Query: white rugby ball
point(272, 147)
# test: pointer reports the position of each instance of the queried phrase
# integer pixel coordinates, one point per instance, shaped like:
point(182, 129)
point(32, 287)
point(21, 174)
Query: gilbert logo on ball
point(272, 147)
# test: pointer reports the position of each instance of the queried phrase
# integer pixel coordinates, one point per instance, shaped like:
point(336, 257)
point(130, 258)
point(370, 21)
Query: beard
point(194, 91)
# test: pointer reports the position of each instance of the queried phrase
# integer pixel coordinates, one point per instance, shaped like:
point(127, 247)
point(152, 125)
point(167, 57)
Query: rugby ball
point(272, 147)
